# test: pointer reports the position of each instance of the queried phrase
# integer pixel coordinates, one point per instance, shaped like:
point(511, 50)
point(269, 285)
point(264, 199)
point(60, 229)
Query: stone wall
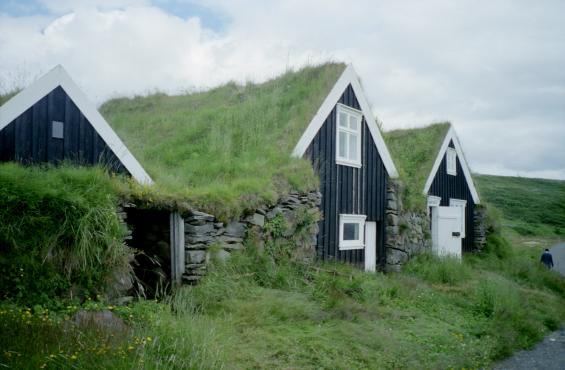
point(407, 232)
point(206, 237)
point(481, 229)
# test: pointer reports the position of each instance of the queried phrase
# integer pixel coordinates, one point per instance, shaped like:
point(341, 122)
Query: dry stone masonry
point(206, 237)
point(407, 232)
point(480, 224)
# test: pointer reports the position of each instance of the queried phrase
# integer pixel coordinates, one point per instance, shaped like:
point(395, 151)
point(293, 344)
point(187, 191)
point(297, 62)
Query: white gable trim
point(452, 136)
point(59, 77)
point(347, 77)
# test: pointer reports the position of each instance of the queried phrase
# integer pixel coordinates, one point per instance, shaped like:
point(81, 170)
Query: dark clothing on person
point(547, 259)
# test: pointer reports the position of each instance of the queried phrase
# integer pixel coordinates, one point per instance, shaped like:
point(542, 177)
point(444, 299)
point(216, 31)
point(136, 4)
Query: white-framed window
point(348, 139)
point(451, 162)
point(462, 204)
point(351, 232)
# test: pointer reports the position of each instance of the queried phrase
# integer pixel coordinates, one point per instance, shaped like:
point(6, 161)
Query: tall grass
point(250, 313)
point(58, 230)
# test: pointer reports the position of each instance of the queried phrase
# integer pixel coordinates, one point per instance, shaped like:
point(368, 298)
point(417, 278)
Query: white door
point(447, 227)
point(370, 246)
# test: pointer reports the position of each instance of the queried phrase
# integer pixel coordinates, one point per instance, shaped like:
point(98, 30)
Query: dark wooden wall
point(28, 139)
point(347, 189)
point(449, 186)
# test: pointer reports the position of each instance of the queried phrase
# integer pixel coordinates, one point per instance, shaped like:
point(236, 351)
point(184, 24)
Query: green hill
point(528, 206)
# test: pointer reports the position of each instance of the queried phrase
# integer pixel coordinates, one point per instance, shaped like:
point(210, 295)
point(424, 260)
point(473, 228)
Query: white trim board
point(347, 77)
point(59, 77)
point(448, 137)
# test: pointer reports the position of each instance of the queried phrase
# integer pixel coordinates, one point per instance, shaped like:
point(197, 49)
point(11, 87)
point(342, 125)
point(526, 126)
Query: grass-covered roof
point(414, 152)
point(229, 148)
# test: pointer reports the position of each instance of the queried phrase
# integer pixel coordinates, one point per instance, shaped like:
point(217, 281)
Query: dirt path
point(549, 354)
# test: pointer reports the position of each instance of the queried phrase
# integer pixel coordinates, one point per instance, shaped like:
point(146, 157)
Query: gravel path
point(558, 253)
point(549, 354)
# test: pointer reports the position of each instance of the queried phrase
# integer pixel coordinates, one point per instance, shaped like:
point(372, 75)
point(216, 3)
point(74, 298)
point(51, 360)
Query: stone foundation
point(296, 216)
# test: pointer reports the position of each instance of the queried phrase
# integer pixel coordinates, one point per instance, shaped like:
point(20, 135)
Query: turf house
point(299, 157)
point(436, 178)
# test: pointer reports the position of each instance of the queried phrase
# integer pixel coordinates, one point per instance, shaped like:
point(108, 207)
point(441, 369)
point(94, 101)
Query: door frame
point(370, 246)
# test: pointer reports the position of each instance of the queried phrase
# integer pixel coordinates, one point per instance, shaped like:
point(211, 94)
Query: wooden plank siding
point(347, 189)
point(28, 138)
point(448, 186)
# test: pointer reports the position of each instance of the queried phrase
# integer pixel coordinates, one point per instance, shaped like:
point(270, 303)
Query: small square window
point(351, 232)
point(348, 138)
point(451, 162)
point(57, 132)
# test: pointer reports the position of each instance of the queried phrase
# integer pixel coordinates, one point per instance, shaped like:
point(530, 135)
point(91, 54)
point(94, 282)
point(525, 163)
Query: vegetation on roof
point(4, 97)
point(414, 152)
point(227, 149)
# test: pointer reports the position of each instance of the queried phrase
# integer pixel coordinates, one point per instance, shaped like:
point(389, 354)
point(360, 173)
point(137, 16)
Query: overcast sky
point(495, 69)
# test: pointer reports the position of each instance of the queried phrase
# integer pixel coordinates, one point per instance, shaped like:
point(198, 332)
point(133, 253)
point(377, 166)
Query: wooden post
point(177, 248)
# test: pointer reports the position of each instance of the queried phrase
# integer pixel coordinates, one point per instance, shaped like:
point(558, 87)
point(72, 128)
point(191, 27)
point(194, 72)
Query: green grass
point(529, 206)
point(226, 149)
point(252, 313)
point(59, 232)
point(414, 152)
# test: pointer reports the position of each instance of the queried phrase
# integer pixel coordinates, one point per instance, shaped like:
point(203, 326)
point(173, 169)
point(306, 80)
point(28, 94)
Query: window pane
point(451, 160)
point(342, 119)
point(342, 144)
point(350, 231)
point(352, 147)
point(353, 122)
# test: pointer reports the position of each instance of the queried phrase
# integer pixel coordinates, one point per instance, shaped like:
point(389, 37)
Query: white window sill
point(351, 247)
point(344, 162)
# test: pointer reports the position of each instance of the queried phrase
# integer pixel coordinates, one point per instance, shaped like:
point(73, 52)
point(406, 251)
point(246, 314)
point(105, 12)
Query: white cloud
point(494, 70)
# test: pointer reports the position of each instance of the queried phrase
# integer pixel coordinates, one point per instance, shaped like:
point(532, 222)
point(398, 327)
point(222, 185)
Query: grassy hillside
point(229, 148)
point(529, 206)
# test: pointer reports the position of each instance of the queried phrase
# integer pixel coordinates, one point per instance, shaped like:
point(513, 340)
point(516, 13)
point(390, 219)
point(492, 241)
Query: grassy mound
point(414, 152)
point(229, 148)
point(59, 232)
point(529, 206)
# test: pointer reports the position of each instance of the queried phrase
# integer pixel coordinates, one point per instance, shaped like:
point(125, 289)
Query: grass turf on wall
point(229, 148)
point(59, 232)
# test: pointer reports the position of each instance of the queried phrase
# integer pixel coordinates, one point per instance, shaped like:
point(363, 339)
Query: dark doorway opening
point(151, 238)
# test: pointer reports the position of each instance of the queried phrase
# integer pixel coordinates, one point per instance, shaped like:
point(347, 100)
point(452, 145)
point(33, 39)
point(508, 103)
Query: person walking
point(547, 259)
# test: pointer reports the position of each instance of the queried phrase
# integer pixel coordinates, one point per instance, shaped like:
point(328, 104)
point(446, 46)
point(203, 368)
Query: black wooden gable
point(449, 186)
point(348, 190)
point(30, 138)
